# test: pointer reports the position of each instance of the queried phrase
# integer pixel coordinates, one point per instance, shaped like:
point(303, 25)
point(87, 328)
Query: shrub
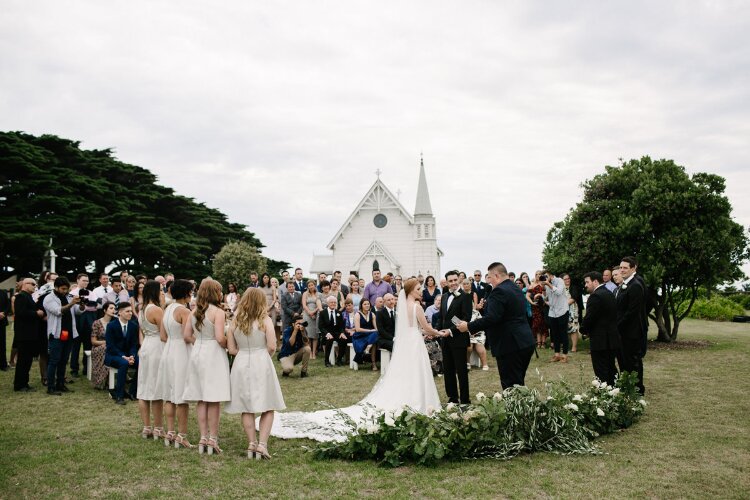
point(742, 299)
point(717, 309)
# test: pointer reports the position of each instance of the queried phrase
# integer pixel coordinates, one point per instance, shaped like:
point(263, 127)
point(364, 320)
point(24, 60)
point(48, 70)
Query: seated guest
point(434, 346)
point(434, 308)
point(386, 322)
point(294, 347)
point(365, 332)
point(61, 331)
point(99, 372)
point(379, 304)
point(331, 326)
point(121, 351)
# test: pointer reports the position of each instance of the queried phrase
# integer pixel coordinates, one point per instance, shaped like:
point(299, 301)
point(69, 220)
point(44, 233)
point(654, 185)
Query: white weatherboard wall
point(381, 229)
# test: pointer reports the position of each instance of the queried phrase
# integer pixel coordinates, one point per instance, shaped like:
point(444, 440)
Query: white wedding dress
point(407, 382)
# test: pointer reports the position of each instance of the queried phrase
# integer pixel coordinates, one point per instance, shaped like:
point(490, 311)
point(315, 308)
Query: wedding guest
point(130, 285)
point(608, 283)
point(208, 369)
point(505, 324)
point(174, 364)
point(121, 352)
point(99, 372)
point(342, 286)
point(430, 311)
point(466, 287)
point(311, 306)
point(430, 291)
point(362, 284)
point(433, 345)
point(476, 340)
point(443, 285)
point(385, 322)
point(254, 386)
point(61, 310)
point(276, 308)
point(321, 278)
point(336, 292)
point(116, 294)
point(149, 357)
point(558, 314)
point(294, 347)
point(365, 331)
point(376, 288)
point(525, 288)
point(137, 299)
point(478, 286)
point(270, 293)
point(420, 279)
point(26, 319)
point(398, 284)
point(84, 322)
point(331, 326)
point(97, 294)
point(600, 324)
point(231, 298)
point(291, 303)
point(354, 294)
point(572, 294)
point(299, 283)
point(4, 312)
point(14, 344)
point(535, 298)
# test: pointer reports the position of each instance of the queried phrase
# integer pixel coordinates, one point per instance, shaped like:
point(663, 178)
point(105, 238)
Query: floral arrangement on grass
point(500, 426)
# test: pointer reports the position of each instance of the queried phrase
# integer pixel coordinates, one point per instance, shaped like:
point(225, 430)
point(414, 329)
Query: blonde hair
point(209, 293)
point(251, 308)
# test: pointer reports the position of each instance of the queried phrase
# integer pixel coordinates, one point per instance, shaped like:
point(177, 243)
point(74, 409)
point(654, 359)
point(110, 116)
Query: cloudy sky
point(279, 113)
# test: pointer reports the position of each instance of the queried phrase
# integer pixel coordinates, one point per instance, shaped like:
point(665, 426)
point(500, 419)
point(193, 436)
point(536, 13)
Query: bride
point(407, 382)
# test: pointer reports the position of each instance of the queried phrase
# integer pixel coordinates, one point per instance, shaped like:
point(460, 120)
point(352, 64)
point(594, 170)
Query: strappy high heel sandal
point(261, 452)
point(146, 432)
point(213, 445)
point(181, 441)
point(202, 445)
point(158, 433)
point(252, 450)
point(169, 438)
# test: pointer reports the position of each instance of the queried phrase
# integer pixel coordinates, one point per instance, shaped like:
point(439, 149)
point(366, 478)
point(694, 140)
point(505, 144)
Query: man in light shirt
point(558, 314)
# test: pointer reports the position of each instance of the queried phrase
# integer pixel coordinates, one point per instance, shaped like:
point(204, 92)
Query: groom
point(455, 303)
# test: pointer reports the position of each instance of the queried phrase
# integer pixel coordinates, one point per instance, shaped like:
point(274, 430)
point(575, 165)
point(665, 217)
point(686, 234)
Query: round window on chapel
point(380, 221)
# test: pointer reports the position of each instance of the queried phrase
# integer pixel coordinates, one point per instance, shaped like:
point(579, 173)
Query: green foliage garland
point(502, 426)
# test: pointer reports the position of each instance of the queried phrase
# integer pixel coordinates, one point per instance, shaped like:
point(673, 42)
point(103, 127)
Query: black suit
point(631, 319)
point(386, 328)
point(600, 324)
point(26, 326)
point(5, 309)
point(508, 333)
point(335, 328)
point(454, 348)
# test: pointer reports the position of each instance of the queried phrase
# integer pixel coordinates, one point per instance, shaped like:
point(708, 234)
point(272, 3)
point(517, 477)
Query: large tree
point(100, 212)
point(679, 227)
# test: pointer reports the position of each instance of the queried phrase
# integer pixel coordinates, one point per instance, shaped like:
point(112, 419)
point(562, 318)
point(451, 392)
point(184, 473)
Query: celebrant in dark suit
point(455, 303)
point(505, 324)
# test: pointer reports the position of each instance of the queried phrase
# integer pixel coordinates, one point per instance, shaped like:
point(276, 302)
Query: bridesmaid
point(99, 372)
point(174, 363)
point(255, 386)
point(149, 357)
point(208, 369)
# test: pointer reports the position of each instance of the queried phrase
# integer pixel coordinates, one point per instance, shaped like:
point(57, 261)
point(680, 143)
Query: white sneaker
point(485, 368)
point(468, 366)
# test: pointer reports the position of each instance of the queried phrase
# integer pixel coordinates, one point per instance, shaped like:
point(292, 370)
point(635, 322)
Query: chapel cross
point(378, 172)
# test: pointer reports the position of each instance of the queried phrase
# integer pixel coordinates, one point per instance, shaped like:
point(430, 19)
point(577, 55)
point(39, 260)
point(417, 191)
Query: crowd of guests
point(177, 342)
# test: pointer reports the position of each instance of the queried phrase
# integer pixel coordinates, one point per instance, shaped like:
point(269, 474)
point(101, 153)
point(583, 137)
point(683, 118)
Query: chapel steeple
point(423, 206)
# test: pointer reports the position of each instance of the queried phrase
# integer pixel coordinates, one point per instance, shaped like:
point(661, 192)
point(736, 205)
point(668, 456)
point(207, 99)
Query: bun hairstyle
point(410, 285)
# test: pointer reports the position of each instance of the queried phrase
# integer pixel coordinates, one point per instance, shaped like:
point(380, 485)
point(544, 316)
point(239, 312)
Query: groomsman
point(505, 324)
point(457, 304)
point(600, 324)
point(631, 319)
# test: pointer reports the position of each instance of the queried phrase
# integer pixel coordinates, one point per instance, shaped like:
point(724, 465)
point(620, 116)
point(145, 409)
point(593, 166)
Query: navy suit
point(121, 344)
point(508, 333)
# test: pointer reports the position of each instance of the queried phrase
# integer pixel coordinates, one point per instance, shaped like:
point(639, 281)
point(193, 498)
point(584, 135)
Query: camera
point(543, 277)
point(303, 324)
point(83, 293)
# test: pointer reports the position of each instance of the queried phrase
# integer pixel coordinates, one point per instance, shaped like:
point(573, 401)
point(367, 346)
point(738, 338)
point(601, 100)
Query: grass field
point(693, 441)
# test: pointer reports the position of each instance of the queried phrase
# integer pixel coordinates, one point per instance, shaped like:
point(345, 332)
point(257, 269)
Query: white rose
point(614, 392)
point(497, 396)
point(389, 421)
point(372, 429)
point(550, 398)
point(577, 397)
point(571, 406)
point(643, 402)
point(595, 383)
point(599, 412)
point(455, 416)
point(450, 406)
point(481, 396)
point(430, 410)
point(594, 400)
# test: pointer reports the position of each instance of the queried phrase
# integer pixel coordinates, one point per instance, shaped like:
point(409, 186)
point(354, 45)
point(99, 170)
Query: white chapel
point(381, 233)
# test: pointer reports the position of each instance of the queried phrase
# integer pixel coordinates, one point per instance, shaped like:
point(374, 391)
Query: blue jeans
point(59, 352)
point(122, 375)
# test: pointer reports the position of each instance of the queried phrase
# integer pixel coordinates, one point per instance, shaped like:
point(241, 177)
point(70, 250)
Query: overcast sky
point(279, 113)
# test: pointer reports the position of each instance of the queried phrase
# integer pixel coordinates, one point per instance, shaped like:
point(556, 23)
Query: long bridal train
point(408, 382)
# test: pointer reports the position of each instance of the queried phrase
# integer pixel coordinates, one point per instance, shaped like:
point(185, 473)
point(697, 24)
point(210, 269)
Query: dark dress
point(429, 299)
point(99, 372)
point(538, 324)
point(360, 340)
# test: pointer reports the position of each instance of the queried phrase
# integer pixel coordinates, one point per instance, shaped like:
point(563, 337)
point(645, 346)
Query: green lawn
point(694, 441)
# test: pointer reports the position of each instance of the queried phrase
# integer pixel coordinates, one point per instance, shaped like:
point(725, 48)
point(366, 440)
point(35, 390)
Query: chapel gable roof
point(377, 198)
